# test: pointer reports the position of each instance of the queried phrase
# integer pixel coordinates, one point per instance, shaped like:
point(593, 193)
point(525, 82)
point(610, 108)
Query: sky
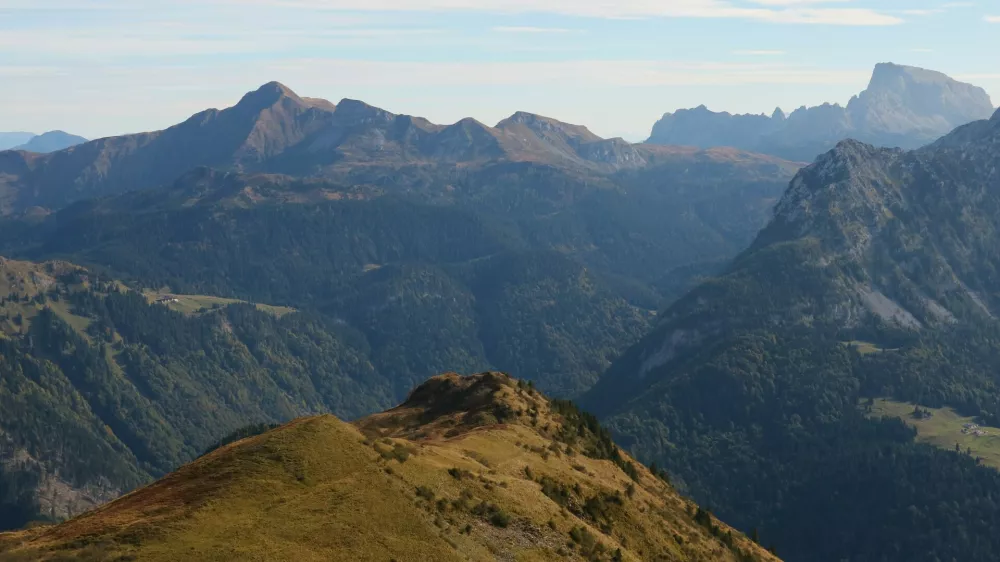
point(107, 67)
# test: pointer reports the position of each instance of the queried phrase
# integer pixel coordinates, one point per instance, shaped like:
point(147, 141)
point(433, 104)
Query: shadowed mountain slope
point(876, 277)
point(274, 130)
point(522, 266)
point(262, 125)
point(102, 387)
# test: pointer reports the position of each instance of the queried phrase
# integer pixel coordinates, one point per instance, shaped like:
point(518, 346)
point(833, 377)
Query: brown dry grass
point(409, 484)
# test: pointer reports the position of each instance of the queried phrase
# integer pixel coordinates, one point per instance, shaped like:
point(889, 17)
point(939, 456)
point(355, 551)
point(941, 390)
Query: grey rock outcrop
point(903, 106)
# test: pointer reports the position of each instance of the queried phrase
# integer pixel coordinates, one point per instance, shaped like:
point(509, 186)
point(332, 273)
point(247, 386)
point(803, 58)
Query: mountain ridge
point(273, 130)
point(373, 226)
point(902, 106)
point(873, 279)
point(514, 475)
point(9, 140)
point(51, 141)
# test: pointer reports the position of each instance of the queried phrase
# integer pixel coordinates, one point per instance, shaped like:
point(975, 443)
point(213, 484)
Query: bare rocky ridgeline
point(903, 106)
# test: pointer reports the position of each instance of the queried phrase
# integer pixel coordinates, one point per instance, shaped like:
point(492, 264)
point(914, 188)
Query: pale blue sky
point(104, 67)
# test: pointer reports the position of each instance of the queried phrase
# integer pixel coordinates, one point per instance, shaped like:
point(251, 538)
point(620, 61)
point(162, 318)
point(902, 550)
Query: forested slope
point(875, 278)
point(102, 389)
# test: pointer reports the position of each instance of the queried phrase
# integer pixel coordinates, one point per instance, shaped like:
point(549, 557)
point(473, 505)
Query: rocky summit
point(468, 468)
point(903, 106)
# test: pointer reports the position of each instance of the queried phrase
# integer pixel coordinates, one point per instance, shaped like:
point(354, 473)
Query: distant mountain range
point(903, 106)
point(11, 140)
point(408, 248)
point(635, 211)
point(560, 168)
point(399, 248)
point(381, 211)
point(274, 130)
point(43, 143)
point(51, 142)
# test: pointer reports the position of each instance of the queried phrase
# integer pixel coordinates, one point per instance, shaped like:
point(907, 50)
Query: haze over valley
point(298, 328)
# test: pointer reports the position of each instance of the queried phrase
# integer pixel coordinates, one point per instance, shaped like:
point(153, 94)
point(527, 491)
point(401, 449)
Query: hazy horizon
point(106, 67)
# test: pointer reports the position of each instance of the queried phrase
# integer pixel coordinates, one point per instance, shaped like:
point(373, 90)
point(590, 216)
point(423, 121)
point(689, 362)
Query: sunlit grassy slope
point(439, 478)
point(193, 304)
point(26, 288)
point(944, 429)
point(863, 347)
point(22, 294)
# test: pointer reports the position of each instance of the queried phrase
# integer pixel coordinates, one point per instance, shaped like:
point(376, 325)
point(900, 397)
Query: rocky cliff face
point(904, 100)
point(704, 128)
point(903, 106)
point(908, 238)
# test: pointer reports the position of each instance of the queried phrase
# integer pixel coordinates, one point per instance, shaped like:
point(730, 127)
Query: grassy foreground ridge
point(468, 468)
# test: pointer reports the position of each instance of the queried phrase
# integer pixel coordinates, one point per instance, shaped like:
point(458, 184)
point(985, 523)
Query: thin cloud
point(760, 53)
point(975, 77)
point(163, 40)
point(992, 19)
point(112, 99)
point(66, 5)
point(814, 12)
point(28, 71)
point(819, 12)
point(344, 73)
point(924, 12)
point(796, 2)
point(535, 30)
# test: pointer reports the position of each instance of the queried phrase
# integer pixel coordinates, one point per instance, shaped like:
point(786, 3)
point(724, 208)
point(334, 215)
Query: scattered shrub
point(459, 474)
point(492, 513)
